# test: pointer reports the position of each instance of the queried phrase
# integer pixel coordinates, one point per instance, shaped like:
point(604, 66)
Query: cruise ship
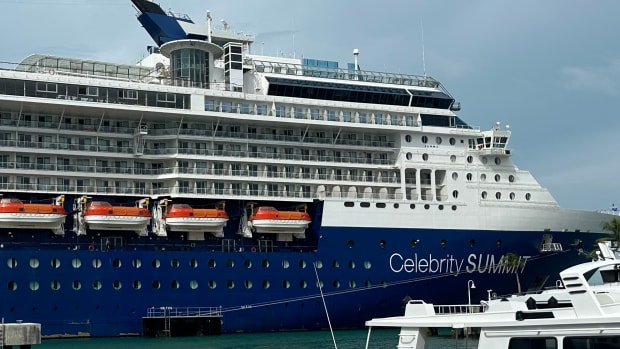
point(273, 191)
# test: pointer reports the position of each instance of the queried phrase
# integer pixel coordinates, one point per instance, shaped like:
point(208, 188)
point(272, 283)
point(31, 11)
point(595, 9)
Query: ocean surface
point(380, 338)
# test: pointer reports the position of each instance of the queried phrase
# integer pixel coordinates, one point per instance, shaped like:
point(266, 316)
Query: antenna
point(423, 58)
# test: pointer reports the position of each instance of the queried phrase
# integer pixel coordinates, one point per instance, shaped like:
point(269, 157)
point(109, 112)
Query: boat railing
point(183, 311)
point(458, 309)
point(551, 247)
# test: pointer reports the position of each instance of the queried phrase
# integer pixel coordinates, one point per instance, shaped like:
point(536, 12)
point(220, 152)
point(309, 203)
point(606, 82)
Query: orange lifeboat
point(101, 215)
point(182, 217)
point(18, 215)
point(267, 219)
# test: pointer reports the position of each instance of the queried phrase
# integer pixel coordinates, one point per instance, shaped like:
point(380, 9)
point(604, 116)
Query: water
point(381, 338)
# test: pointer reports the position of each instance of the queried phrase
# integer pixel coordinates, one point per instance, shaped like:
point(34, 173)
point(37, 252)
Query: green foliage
point(514, 263)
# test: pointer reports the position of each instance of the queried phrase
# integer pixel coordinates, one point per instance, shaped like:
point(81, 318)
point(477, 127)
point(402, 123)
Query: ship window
point(409, 156)
point(350, 244)
point(136, 263)
point(591, 342)
point(55, 285)
point(96, 285)
point(166, 98)
point(497, 177)
point(412, 206)
point(318, 264)
point(88, 91)
point(116, 263)
point(248, 263)
point(34, 263)
point(47, 87)
point(55, 263)
point(175, 284)
point(11, 263)
point(528, 196)
point(212, 284)
point(498, 195)
point(248, 284)
point(440, 207)
point(452, 141)
point(427, 206)
point(408, 138)
point(367, 265)
point(174, 263)
point(117, 284)
point(470, 159)
point(484, 194)
point(483, 177)
point(193, 263)
point(484, 160)
point(156, 263)
point(193, 284)
point(512, 196)
point(364, 204)
point(425, 157)
point(453, 207)
point(498, 161)
point(511, 179)
point(368, 283)
point(455, 176)
point(382, 243)
point(537, 342)
point(285, 264)
point(34, 285)
point(76, 263)
point(156, 284)
point(472, 242)
point(414, 243)
point(336, 284)
point(455, 194)
point(453, 158)
point(96, 263)
point(286, 284)
point(265, 263)
point(444, 243)
point(336, 264)
point(230, 263)
point(351, 264)
point(380, 204)
point(396, 205)
point(137, 284)
point(469, 177)
point(438, 140)
point(303, 284)
point(424, 139)
point(12, 286)
point(212, 263)
point(302, 264)
point(266, 284)
point(349, 204)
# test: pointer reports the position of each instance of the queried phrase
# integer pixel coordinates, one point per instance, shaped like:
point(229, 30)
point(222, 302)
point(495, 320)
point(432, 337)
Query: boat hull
point(196, 224)
point(31, 220)
point(103, 222)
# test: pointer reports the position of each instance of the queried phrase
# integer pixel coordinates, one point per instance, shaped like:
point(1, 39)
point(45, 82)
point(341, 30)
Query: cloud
point(602, 78)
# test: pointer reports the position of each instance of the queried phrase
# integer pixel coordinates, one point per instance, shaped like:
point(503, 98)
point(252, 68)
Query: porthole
point(318, 264)
point(412, 206)
point(350, 244)
point(55, 285)
point(302, 264)
point(365, 204)
point(528, 196)
point(12, 286)
point(303, 284)
point(285, 264)
point(497, 178)
point(414, 243)
point(34, 285)
point(175, 285)
point(137, 284)
point(116, 263)
point(175, 263)
point(380, 205)
point(382, 243)
point(247, 263)
point(452, 158)
point(453, 207)
point(136, 263)
point(427, 206)
point(452, 141)
point(335, 264)
point(212, 263)
point(319, 284)
point(455, 194)
point(336, 284)
point(156, 263)
point(286, 284)
point(408, 138)
point(512, 196)
point(425, 157)
point(351, 264)
point(116, 284)
point(156, 284)
point(55, 263)
point(34, 263)
point(193, 263)
point(444, 243)
point(368, 283)
point(469, 177)
point(498, 243)
point(484, 160)
point(396, 205)
point(96, 263)
point(438, 140)
point(424, 139)
point(266, 284)
point(212, 284)
point(484, 194)
point(483, 177)
point(230, 264)
point(76, 263)
point(472, 242)
point(498, 195)
point(440, 207)
point(265, 263)
point(498, 161)
point(11, 263)
point(349, 204)
point(367, 265)
point(470, 159)
point(511, 179)
point(409, 156)
point(77, 285)
point(193, 284)
point(97, 285)
point(455, 176)
point(247, 284)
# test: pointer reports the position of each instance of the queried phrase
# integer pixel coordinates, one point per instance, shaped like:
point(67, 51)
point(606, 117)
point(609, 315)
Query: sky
point(549, 69)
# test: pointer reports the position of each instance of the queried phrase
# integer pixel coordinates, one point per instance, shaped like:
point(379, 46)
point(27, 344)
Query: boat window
point(536, 342)
point(100, 203)
point(591, 342)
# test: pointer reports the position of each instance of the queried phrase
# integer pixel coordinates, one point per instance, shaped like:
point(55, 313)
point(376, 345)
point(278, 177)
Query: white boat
point(582, 312)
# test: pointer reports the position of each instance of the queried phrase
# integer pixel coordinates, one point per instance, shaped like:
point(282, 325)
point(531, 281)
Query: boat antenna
point(423, 57)
point(331, 330)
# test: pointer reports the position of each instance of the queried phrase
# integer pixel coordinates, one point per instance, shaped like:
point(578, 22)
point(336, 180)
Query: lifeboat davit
point(18, 215)
point(184, 218)
point(267, 219)
point(101, 215)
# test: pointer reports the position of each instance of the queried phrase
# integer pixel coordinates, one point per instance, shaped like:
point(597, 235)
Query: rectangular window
point(88, 91)
point(209, 105)
point(280, 111)
point(331, 115)
point(166, 98)
point(536, 342)
point(47, 87)
point(129, 94)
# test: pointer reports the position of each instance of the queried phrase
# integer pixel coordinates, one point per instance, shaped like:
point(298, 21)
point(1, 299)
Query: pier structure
point(182, 321)
point(19, 335)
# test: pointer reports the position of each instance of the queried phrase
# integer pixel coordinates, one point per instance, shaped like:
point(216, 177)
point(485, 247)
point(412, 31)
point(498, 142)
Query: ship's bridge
point(493, 141)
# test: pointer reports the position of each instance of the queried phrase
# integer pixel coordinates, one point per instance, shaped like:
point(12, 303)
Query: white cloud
point(602, 78)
